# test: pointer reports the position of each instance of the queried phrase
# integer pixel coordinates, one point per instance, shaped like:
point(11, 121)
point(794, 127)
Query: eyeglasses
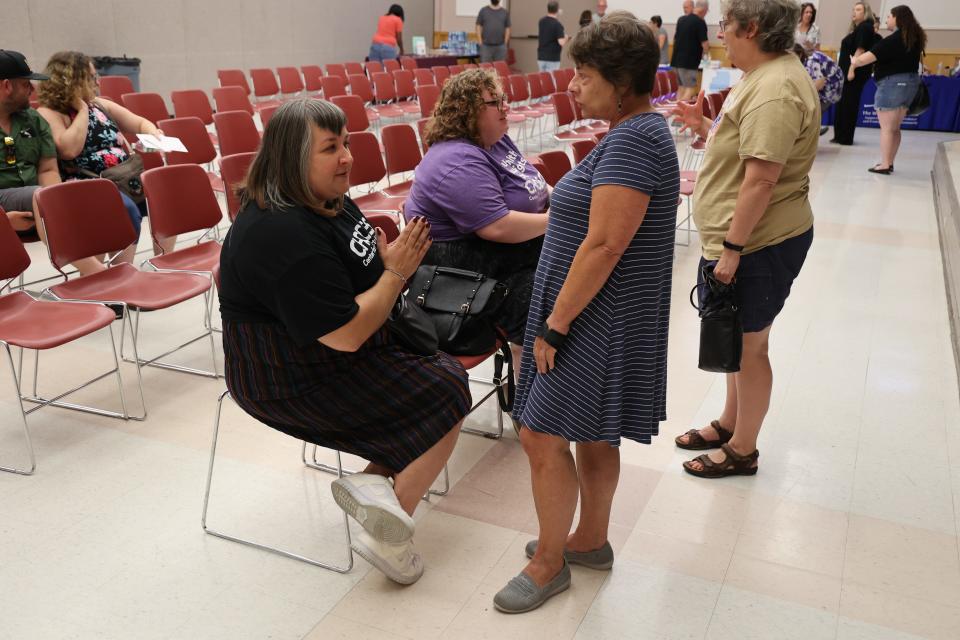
point(10, 150)
point(499, 103)
point(723, 25)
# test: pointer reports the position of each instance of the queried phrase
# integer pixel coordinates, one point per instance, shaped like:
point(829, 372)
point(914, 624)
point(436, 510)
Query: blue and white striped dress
point(610, 379)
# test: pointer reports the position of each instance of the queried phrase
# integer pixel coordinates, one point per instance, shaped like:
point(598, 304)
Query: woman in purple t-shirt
point(485, 203)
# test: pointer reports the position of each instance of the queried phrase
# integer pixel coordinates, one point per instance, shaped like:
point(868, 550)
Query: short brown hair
point(458, 108)
point(69, 73)
point(622, 49)
point(279, 176)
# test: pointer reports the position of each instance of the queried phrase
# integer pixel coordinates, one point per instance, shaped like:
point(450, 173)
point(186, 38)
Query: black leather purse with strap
point(462, 305)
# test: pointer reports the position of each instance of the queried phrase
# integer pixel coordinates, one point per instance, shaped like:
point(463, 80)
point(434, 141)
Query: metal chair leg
point(259, 545)
point(156, 362)
point(496, 383)
point(313, 463)
point(23, 417)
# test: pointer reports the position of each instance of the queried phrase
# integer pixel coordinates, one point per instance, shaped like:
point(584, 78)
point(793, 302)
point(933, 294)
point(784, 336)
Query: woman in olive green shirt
point(753, 211)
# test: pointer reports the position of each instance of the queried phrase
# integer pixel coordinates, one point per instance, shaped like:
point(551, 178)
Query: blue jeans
point(896, 91)
point(380, 52)
point(548, 65)
point(134, 211)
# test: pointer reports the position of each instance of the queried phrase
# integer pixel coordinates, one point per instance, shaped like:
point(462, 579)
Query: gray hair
point(279, 176)
point(702, 4)
point(776, 20)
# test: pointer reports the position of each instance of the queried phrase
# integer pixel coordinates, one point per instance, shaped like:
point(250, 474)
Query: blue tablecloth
point(943, 114)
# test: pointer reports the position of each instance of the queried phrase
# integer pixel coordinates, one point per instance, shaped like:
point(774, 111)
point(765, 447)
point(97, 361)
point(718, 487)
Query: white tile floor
point(848, 532)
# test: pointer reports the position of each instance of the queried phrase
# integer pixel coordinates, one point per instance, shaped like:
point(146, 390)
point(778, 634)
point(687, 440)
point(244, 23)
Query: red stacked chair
point(311, 78)
point(232, 99)
point(236, 131)
point(402, 152)
point(368, 169)
point(265, 87)
point(193, 134)
point(233, 170)
point(390, 65)
point(233, 78)
point(291, 83)
point(113, 87)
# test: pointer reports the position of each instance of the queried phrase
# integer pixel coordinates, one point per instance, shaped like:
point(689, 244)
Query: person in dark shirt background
point(861, 38)
point(552, 39)
point(897, 74)
point(689, 46)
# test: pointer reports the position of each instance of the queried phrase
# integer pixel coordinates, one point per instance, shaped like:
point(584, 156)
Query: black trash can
point(110, 66)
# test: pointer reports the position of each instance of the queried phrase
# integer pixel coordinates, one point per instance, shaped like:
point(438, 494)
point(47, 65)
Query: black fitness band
point(733, 247)
point(553, 338)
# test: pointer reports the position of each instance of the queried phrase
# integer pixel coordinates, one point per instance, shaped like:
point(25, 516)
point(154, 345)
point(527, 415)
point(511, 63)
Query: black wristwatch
point(553, 338)
point(733, 247)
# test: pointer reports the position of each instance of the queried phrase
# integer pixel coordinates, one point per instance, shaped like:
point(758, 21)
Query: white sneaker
point(370, 500)
point(399, 562)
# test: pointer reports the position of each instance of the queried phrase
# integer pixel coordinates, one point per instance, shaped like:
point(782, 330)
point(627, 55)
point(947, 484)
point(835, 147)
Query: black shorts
point(764, 278)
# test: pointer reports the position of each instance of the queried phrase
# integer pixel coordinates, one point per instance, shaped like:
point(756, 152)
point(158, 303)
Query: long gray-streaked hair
point(776, 20)
point(279, 176)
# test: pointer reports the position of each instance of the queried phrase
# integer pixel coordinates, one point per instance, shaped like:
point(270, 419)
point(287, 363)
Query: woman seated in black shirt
point(306, 286)
point(897, 74)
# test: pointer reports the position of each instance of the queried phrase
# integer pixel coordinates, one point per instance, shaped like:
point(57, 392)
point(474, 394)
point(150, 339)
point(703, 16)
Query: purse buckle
point(421, 299)
point(465, 308)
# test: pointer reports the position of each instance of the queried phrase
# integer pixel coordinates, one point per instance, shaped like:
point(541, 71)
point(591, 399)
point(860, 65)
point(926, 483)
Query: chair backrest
point(14, 258)
point(84, 218)
point(423, 76)
point(581, 149)
point(598, 136)
point(266, 113)
point(148, 105)
point(441, 75)
point(333, 86)
point(708, 109)
point(180, 200)
point(233, 78)
point(564, 107)
point(577, 109)
point(368, 164)
point(403, 81)
point(559, 79)
point(455, 69)
point(231, 99)
point(536, 87)
point(568, 74)
point(195, 138)
point(383, 87)
point(233, 170)
point(547, 84)
point(360, 86)
point(192, 103)
point(352, 106)
point(487, 65)
point(384, 222)
point(390, 65)
point(151, 159)
point(421, 131)
point(674, 80)
point(353, 68)
point(236, 132)
point(311, 77)
point(264, 82)
point(427, 96)
point(400, 147)
point(501, 68)
point(290, 80)
point(113, 87)
point(338, 70)
point(407, 62)
point(519, 88)
point(557, 163)
point(372, 67)
point(716, 103)
point(470, 65)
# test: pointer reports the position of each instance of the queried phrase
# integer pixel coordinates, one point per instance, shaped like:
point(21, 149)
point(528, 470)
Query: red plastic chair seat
point(401, 190)
point(125, 283)
point(378, 202)
point(469, 362)
point(32, 324)
point(199, 257)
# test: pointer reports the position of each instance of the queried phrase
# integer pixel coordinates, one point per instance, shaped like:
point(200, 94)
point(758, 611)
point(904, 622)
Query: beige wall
point(183, 42)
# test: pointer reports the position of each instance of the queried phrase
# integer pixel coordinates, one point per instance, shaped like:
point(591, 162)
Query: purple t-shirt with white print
point(460, 187)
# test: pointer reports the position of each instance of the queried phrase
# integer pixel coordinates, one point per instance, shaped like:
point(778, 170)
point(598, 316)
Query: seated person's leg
point(133, 211)
point(17, 203)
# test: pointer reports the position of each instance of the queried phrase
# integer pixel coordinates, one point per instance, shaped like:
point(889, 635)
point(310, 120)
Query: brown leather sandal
point(733, 465)
point(696, 442)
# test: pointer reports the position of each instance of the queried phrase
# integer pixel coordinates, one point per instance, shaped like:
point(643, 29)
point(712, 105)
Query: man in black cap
point(28, 157)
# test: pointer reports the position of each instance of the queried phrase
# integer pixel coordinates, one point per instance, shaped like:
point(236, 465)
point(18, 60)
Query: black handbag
point(413, 328)
point(921, 101)
point(462, 305)
point(721, 332)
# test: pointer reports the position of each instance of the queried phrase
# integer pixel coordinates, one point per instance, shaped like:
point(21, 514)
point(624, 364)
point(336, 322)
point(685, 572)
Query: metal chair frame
point(261, 545)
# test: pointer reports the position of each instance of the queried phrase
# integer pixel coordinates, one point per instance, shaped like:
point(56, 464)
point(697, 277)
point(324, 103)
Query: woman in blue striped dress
point(594, 364)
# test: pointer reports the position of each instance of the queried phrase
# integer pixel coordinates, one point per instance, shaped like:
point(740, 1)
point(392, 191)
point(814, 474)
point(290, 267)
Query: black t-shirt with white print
point(297, 268)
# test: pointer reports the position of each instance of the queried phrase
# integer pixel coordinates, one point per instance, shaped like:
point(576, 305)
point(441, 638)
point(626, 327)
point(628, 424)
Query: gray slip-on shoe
point(600, 559)
point(522, 594)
